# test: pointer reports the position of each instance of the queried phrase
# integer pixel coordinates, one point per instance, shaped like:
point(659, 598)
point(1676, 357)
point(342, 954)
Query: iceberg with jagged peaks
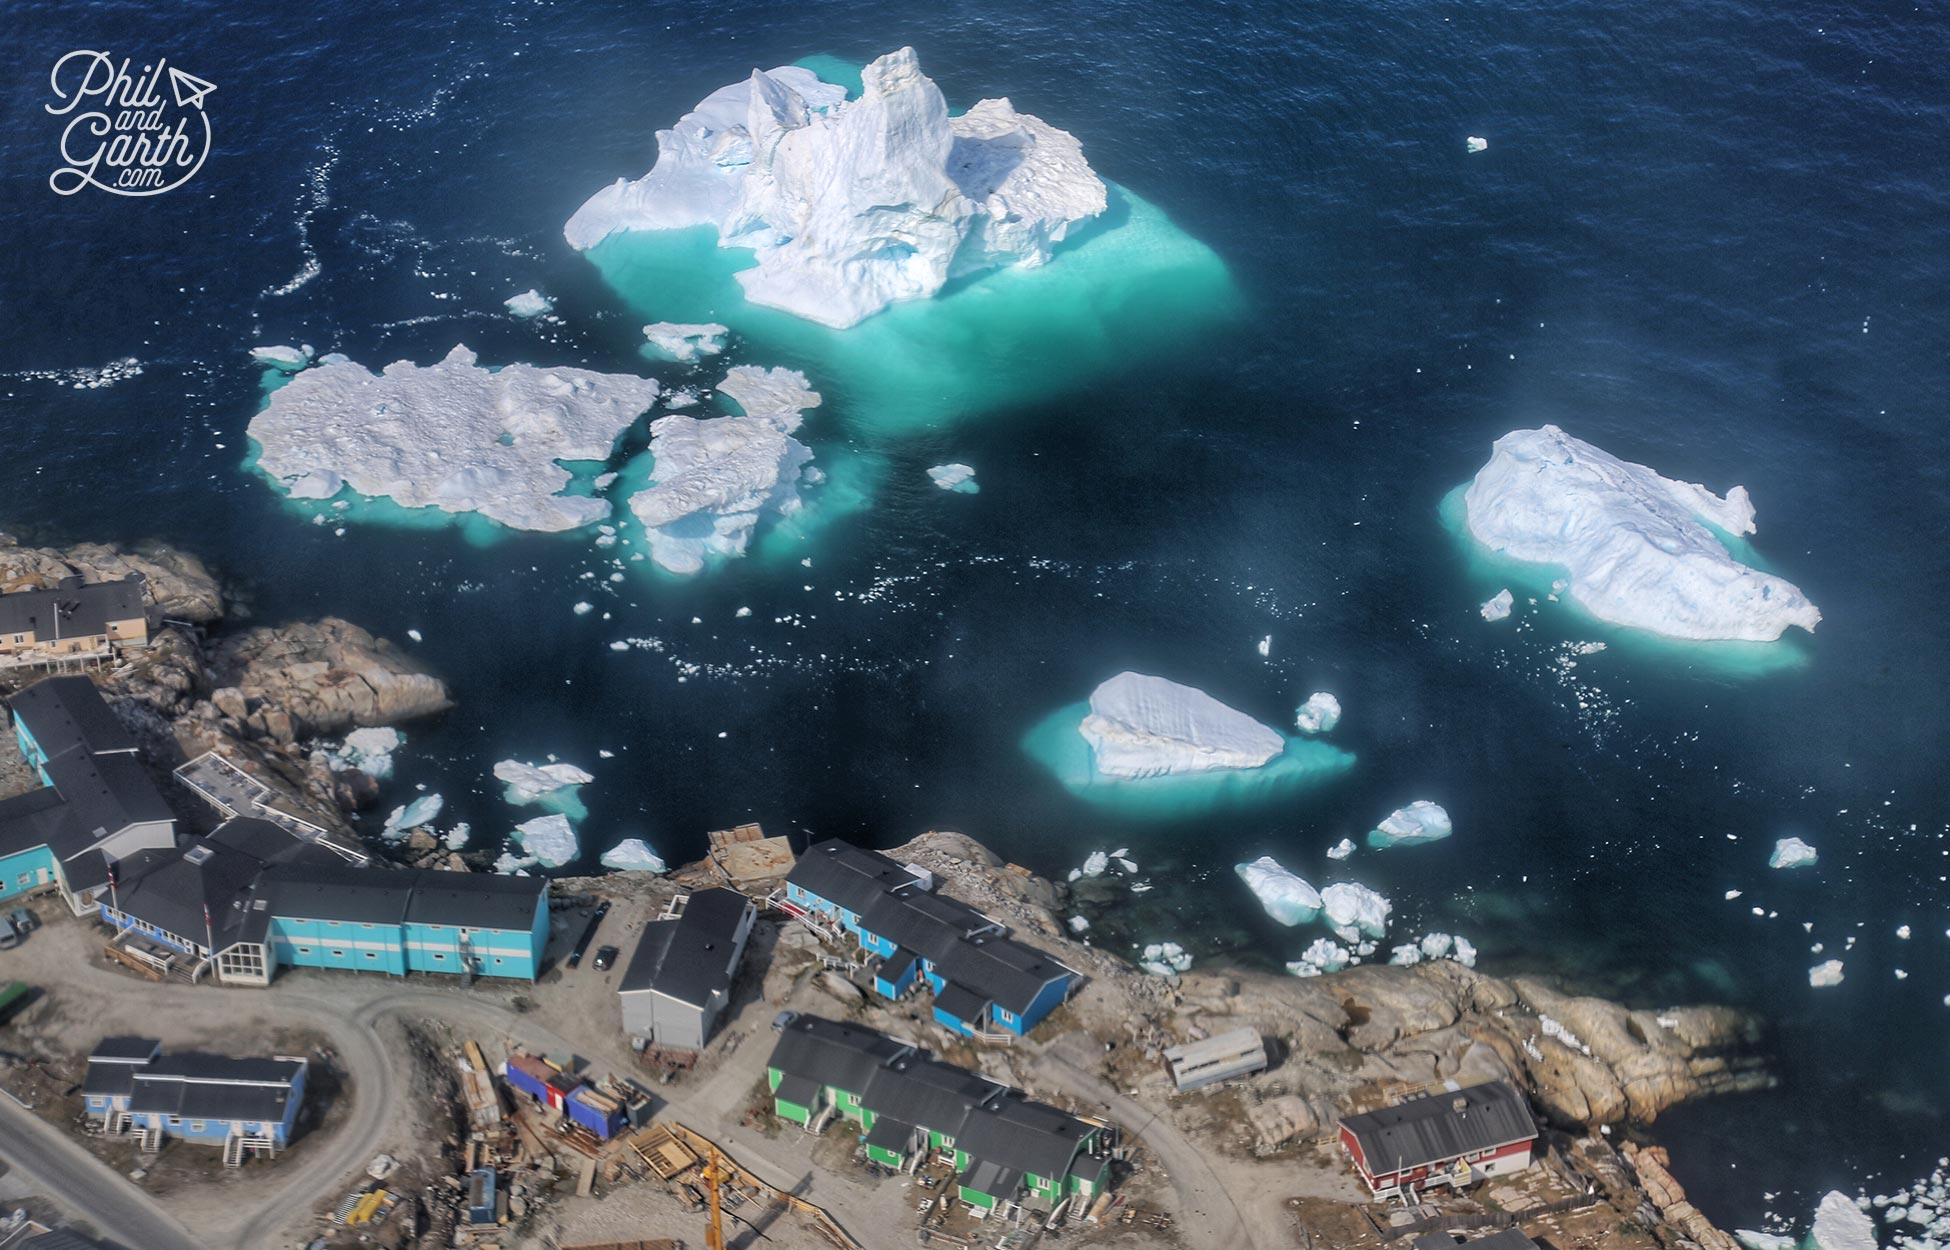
point(633, 855)
point(1287, 897)
point(713, 478)
point(852, 205)
point(1142, 726)
point(1639, 550)
point(452, 436)
point(1354, 911)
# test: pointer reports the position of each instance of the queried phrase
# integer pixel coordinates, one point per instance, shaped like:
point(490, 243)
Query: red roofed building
point(1451, 1137)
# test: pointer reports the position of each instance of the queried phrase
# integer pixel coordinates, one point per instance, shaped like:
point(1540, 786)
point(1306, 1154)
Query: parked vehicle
point(9, 935)
point(24, 920)
point(606, 958)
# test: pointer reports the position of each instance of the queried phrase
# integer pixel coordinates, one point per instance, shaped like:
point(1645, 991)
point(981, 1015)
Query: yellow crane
point(713, 1175)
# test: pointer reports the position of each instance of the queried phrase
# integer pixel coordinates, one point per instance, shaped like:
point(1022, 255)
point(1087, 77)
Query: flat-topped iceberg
point(1791, 853)
point(633, 855)
point(1287, 897)
point(713, 478)
point(1354, 911)
point(1497, 606)
point(854, 205)
point(284, 359)
point(530, 783)
point(681, 341)
point(530, 303)
point(1639, 550)
point(1319, 714)
point(452, 436)
point(955, 477)
point(1419, 822)
point(1142, 726)
point(549, 840)
point(410, 816)
point(1841, 1225)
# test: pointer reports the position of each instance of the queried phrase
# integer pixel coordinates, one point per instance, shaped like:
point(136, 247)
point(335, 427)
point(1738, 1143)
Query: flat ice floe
point(633, 855)
point(854, 205)
point(1498, 606)
point(453, 436)
point(1792, 853)
point(414, 815)
point(1142, 726)
point(1421, 821)
point(530, 303)
point(549, 840)
point(955, 477)
point(1287, 897)
point(713, 478)
point(1841, 1225)
point(1637, 547)
point(681, 341)
point(1319, 714)
point(283, 359)
point(530, 783)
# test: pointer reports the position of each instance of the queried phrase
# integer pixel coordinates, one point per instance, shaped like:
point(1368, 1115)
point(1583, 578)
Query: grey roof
point(1441, 1125)
point(1029, 1136)
point(474, 900)
point(689, 958)
point(801, 1091)
point(992, 1178)
point(372, 895)
point(831, 1052)
point(72, 609)
point(935, 1095)
point(37, 818)
point(890, 1134)
point(212, 1087)
point(66, 712)
point(1502, 1239)
point(125, 1050)
point(172, 889)
point(1000, 969)
point(927, 923)
point(963, 1004)
point(107, 792)
point(848, 875)
point(66, 1239)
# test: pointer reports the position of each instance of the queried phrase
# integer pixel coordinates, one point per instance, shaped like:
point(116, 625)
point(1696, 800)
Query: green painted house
point(1006, 1149)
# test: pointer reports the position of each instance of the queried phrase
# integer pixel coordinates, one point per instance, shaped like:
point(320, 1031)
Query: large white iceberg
point(854, 205)
point(283, 359)
point(1319, 714)
point(549, 840)
point(1842, 1225)
point(1792, 853)
point(453, 436)
point(1287, 897)
point(1354, 911)
point(680, 341)
point(528, 783)
point(633, 855)
point(1142, 726)
point(1635, 545)
point(1421, 821)
point(712, 478)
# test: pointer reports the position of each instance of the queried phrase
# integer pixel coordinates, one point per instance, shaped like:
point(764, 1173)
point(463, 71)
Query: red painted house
point(1448, 1136)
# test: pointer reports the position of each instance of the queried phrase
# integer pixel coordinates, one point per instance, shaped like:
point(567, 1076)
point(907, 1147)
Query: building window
point(26, 879)
point(372, 954)
point(338, 954)
point(304, 950)
point(196, 1126)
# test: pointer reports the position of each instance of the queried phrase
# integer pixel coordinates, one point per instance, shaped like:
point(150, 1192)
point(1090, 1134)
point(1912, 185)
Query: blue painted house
point(982, 979)
point(246, 1106)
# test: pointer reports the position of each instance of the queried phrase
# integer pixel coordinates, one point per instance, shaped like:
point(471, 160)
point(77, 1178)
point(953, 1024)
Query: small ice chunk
point(1476, 143)
point(1341, 849)
point(584, 608)
point(419, 812)
point(1405, 956)
point(1824, 975)
point(1421, 821)
point(530, 303)
point(1319, 714)
point(457, 836)
point(742, 612)
point(1164, 959)
point(1354, 910)
point(283, 359)
point(632, 855)
point(1286, 897)
point(414, 634)
point(1464, 953)
point(955, 477)
point(368, 750)
point(550, 839)
point(1902, 931)
point(1791, 853)
point(1096, 863)
point(1266, 646)
point(686, 342)
point(1079, 925)
point(1325, 955)
point(1733, 894)
point(1498, 606)
point(528, 782)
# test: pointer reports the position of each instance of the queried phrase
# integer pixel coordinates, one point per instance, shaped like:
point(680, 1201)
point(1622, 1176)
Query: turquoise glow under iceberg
point(1491, 571)
point(1055, 744)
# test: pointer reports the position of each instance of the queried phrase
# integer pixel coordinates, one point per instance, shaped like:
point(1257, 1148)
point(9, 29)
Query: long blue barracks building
point(243, 1105)
point(982, 979)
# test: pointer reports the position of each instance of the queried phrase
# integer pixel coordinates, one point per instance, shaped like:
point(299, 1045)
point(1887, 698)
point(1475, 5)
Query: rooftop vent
point(197, 855)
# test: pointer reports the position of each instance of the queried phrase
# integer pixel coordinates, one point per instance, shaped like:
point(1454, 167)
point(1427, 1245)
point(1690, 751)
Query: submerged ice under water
point(1304, 322)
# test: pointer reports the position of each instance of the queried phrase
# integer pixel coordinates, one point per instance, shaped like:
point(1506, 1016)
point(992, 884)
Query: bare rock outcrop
point(177, 585)
point(321, 678)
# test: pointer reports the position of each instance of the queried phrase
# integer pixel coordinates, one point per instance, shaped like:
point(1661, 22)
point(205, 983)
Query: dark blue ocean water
point(1713, 238)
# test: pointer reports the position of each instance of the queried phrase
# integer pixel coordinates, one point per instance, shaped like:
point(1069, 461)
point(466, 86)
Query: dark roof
point(212, 1087)
point(65, 1239)
point(125, 1050)
point(689, 958)
point(474, 900)
point(1000, 969)
point(1502, 1239)
point(268, 843)
point(935, 1095)
point(848, 875)
point(962, 1003)
point(890, 1134)
point(798, 1090)
point(72, 609)
point(928, 923)
point(343, 892)
point(896, 965)
point(172, 890)
point(1441, 1125)
point(991, 1178)
point(830, 1052)
point(67, 712)
point(106, 792)
point(37, 818)
point(1018, 1133)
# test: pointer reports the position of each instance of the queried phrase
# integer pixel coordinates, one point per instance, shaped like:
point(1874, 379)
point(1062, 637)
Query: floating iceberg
point(1319, 714)
point(530, 303)
point(420, 811)
point(681, 341)
point(529, 783)
point(1286, 897)
point(955, 477)
point(550, 839)
point(1142, 726)
point(632, 855)
point(1476, 143)
point(1763, 1241)
point(1323, 956)
point(1079, 925)
point(854, 205)
point(457, 836)
point(370, 751)
point(1355, 910)
point(1421, 821)
point(1823, 975)
point(1164, 959)
point(1341, 849)
point(283, 359)
point(1791, 853)
point(1498, 606)
point(712, 479)
point(1637, 547)
point(452, 436)
point(1841, 1225)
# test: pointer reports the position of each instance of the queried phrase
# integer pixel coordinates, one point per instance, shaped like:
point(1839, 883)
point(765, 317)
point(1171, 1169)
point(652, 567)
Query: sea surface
point(1713, 238)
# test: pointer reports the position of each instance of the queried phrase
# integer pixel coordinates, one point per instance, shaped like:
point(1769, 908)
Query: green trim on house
point(791, 1111)
point(976, 1198)
point(885, 1157)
